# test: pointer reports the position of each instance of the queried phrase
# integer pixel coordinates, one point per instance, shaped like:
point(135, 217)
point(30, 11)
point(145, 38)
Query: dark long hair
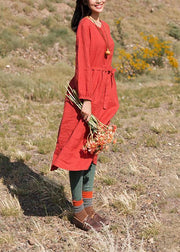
point(82, 9)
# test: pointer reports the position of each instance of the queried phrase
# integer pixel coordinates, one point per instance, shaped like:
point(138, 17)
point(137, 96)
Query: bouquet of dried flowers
point(100, 135)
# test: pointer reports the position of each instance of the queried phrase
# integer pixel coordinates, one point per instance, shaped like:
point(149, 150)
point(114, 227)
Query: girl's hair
point(82, 9)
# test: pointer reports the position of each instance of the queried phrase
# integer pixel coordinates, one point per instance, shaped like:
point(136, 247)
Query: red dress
point(94, 80)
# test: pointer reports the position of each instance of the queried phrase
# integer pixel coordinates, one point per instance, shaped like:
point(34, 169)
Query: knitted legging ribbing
point(81, 181)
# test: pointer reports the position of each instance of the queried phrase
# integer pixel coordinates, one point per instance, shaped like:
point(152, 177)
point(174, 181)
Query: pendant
point(107, 52)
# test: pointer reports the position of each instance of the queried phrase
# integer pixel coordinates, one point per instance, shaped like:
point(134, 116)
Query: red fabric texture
point(87, 194)
point(77, 203)
point(94, 80)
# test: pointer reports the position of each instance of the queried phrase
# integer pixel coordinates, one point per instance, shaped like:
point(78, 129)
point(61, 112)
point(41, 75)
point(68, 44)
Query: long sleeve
point(83, 68)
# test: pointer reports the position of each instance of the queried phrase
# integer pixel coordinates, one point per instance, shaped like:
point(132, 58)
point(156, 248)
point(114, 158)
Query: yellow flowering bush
point(131, 64)
point(142, 58)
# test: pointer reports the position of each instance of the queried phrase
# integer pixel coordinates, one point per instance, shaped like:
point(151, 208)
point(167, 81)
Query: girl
point(95, 84)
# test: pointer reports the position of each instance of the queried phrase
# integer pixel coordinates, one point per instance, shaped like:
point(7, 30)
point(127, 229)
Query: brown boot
point(85, 222)
point(95, 216)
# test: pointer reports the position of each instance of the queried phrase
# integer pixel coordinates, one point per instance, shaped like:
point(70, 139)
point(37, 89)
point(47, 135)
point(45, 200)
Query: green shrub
point(53, 36)
point(49, 22)
point(118, 23)
point(48, 5)
point(174, 31)
point(9, 41)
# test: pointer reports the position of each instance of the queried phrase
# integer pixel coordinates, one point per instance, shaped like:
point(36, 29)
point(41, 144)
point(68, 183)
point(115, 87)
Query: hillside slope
point(42, 28)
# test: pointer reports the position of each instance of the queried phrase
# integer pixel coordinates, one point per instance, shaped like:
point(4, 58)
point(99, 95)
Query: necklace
point(107, 52)
point(98, 23)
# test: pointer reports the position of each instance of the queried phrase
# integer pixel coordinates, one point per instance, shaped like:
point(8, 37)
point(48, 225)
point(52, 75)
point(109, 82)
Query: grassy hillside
point(137, 180)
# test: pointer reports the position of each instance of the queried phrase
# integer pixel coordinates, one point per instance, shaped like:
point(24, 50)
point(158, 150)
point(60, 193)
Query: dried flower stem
point(100, 134)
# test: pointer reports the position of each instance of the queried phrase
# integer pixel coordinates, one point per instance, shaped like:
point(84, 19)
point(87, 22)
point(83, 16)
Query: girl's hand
point(86, 110)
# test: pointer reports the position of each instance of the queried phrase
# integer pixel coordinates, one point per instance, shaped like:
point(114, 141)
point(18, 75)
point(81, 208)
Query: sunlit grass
point(6, 238)
point(151, 230)
point(10, 207)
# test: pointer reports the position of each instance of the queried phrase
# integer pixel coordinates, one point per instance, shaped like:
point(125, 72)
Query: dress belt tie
point(109, 72)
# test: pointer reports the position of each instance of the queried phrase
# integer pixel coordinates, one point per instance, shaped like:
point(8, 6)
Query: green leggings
point(81, 181)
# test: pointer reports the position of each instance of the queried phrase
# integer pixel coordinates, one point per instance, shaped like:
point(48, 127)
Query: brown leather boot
point(96, 217)
point(85, 222)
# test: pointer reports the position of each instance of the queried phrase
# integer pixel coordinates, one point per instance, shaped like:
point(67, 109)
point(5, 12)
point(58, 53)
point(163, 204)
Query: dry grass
point(130, 183)
point(6, 238)
point(10, 207)
point(125, 203)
